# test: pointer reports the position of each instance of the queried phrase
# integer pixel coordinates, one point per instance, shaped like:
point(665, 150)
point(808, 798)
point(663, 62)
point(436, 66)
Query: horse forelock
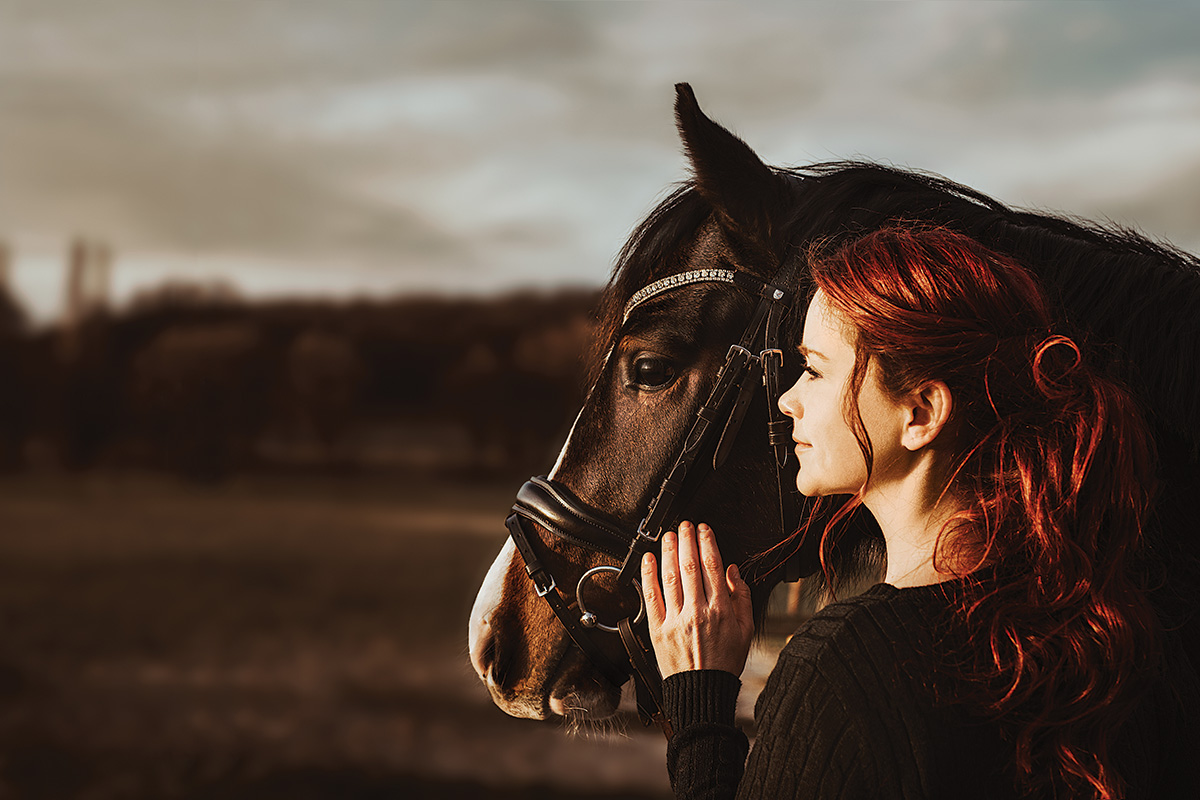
point(655, 243)
point(662, 245)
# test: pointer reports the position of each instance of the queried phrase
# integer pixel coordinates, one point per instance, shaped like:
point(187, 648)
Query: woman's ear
point(928, 413)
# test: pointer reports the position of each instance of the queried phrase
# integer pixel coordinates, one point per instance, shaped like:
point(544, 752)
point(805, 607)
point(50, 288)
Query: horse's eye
point(650, 372)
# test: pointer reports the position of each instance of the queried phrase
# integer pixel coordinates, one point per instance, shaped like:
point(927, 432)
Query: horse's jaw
point(534, 679)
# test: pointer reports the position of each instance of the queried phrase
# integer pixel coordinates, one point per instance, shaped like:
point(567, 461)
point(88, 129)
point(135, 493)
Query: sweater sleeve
point(707, 754)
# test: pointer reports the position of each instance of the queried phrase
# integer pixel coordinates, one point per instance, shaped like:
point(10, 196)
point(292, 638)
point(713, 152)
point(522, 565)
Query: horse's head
point(659, 366)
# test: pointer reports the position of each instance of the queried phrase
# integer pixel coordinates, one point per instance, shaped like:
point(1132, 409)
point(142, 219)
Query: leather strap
point(647, 678)
point(747, 385)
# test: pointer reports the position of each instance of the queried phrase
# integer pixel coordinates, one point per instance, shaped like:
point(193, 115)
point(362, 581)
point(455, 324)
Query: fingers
point(710, 566)
point(691, 575)
point(733, 579)
point(671, 585)
point(651, 592)
point(739, 591)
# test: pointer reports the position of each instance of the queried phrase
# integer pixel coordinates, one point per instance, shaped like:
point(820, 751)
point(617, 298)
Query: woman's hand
point(700, 617)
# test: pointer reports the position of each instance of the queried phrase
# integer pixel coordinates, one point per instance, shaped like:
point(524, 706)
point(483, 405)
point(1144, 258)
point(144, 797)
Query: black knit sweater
point(851, 711)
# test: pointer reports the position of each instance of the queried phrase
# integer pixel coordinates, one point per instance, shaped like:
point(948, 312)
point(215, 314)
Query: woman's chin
point(807, 489)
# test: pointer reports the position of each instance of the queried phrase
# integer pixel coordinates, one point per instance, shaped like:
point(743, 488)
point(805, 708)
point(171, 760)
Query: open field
point(268, 638)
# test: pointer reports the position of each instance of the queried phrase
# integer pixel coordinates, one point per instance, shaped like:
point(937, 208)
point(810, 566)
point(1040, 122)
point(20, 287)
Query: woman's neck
point(912, 512)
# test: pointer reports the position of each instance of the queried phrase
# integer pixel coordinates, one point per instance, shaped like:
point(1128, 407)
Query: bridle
point(553, 506)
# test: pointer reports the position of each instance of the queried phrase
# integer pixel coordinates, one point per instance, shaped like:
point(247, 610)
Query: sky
point(374, 148)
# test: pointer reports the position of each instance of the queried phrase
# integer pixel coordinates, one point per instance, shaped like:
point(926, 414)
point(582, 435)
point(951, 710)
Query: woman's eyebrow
point(808, 353)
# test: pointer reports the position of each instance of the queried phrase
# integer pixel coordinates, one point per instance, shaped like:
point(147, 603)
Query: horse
point(696, 274)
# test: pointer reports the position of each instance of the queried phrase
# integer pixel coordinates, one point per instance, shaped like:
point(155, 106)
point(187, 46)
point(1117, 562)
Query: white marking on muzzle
point(486, 602)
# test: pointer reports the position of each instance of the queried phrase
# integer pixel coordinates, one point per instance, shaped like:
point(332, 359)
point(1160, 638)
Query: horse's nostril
point(488, 657)
point(482, 648)
point(489, 662)
point(499, 667)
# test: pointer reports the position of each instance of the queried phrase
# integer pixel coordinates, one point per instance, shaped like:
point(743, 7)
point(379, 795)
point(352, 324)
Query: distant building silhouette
point(89, 275)
point(12, 315)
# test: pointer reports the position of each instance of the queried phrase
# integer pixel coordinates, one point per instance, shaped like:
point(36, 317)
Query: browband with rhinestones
point(673, 281)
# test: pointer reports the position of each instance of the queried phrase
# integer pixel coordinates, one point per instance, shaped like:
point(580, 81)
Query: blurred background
point(293, 295)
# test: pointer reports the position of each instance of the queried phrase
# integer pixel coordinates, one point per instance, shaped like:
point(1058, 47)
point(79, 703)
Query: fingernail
point(685, 526)
point(733, 570)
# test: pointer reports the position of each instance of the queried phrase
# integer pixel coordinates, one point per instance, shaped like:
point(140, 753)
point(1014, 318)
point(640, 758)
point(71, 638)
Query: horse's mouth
point(590, 704)
point(576, 690)
point(572, 689)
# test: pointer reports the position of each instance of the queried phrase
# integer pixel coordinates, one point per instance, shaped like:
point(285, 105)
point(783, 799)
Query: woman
point(1011, 651)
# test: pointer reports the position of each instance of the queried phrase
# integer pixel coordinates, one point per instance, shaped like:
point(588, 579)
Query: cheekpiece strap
point(675, 281)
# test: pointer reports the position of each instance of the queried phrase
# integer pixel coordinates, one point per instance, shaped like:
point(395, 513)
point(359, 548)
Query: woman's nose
point(789, 402)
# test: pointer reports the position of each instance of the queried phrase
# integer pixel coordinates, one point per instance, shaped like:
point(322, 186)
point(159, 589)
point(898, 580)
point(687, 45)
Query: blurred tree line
point(197, 381)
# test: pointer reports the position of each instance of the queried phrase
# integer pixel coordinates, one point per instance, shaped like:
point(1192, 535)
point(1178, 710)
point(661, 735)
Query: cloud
point(86, 158)
point(487, 144)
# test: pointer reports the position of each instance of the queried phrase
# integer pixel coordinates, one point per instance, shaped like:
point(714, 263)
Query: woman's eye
point(652, 373)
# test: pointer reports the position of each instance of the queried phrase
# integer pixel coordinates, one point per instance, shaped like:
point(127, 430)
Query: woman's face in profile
point(830, 459)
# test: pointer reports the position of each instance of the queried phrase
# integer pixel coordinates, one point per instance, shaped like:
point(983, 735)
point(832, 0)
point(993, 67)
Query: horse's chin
point(579, 693)
point(593, 703)
point(574, 695)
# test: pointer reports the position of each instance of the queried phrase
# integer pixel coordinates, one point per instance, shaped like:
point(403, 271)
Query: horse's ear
point(745, 192)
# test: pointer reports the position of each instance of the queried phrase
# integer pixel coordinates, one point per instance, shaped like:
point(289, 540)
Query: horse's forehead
point(710, 247)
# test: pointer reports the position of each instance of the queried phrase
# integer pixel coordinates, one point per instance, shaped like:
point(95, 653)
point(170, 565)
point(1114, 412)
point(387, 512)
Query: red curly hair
point(1055, 467)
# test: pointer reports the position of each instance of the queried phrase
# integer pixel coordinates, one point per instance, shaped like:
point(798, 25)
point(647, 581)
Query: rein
point(551, 505)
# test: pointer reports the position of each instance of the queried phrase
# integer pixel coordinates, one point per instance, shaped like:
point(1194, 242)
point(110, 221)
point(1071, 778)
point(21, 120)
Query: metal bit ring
point(589, 619)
